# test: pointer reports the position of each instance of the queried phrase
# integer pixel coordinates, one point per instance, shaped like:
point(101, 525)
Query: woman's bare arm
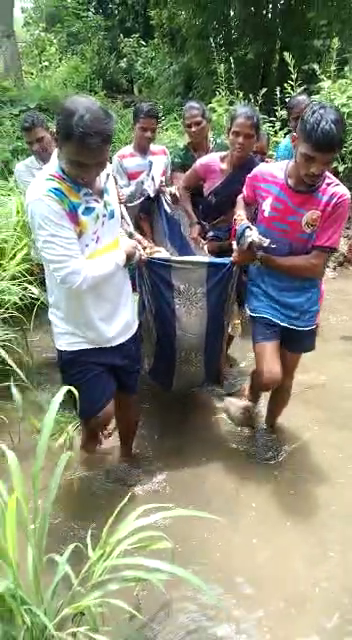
point(190, 181)
point(177, 177)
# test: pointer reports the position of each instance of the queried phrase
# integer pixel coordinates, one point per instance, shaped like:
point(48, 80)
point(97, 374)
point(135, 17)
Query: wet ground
point(280, 558)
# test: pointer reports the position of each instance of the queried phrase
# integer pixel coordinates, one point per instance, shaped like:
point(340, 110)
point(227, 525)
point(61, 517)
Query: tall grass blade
point(11, 531)
point(16, 478)
point(5, 356)
point(44, 438)
point(48, 504)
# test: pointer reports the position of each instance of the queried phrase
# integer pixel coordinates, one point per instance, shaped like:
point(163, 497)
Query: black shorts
point(99, 372)
point(293, 340)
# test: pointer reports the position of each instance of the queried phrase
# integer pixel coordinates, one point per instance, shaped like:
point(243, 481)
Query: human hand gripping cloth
point(186, 304)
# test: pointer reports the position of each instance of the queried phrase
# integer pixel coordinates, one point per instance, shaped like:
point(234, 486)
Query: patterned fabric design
point(90, 215)
point(187, 304)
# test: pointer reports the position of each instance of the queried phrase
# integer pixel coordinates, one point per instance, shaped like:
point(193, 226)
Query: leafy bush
point(337, 89)
point(45, 596)
point(14, 102)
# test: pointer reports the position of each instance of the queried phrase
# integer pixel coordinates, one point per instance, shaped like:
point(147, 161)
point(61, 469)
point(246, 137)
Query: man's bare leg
point(265, 377)
point(93, 429)
point(127, 419)
point(280, 396)
point(267, 374)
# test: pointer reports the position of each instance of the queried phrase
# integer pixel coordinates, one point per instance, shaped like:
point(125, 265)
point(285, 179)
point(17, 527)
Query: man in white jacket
point(75, 218)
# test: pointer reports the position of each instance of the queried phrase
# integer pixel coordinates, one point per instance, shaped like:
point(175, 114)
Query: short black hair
point(83, 120)
point(196, 105)
point(145, 110)
point(33, 120)
point(323, 127)
point(247, 112)
point(295, 101)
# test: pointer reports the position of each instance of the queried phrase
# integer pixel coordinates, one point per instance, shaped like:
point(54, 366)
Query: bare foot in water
point(129, 457)
point(111, 441)
point(90, 440)
point(240, 411)
point(267, 447)
point(127, 471)
point(109, 430)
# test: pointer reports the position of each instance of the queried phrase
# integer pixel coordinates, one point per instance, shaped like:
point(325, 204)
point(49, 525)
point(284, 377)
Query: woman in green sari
point(196, 123)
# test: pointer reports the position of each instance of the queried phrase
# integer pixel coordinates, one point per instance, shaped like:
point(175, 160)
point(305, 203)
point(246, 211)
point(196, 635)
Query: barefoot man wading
point(75, 218)
point(302, 210)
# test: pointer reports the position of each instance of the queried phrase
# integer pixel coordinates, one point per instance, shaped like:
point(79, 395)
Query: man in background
point(40, 141)
point(142, 169)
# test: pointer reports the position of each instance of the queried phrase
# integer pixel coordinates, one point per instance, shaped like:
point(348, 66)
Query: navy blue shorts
point(99, 372)
point(220, 233)
point(293, 340)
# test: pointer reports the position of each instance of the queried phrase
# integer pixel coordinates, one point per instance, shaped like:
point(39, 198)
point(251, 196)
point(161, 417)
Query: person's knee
point(102, 419)
point(269, 377)
point(287, 382)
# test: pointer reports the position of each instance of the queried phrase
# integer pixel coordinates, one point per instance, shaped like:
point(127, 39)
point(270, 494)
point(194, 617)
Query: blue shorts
point(293, 340)
point(99, 372)
point(220, 233)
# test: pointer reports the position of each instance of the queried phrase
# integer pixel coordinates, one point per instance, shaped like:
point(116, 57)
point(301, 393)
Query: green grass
point(64, 430)
point(19, 289)
point(44, 596)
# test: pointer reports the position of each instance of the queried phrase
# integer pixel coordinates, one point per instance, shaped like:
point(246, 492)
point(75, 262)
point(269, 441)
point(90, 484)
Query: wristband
point(194, 223)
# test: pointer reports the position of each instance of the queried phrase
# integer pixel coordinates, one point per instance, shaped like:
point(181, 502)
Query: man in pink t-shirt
point(302, 209)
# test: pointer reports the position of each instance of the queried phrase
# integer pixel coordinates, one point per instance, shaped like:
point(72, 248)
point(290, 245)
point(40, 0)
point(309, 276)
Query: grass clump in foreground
point(43, 596)
point(19, 289)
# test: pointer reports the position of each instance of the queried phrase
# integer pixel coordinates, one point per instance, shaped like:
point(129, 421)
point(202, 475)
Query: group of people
point(78, 204)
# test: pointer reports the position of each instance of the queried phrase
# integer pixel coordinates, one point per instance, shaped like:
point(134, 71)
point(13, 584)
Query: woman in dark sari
point(222, 176)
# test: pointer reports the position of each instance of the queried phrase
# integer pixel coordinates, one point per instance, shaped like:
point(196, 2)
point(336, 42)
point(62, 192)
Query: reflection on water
point(280, 555)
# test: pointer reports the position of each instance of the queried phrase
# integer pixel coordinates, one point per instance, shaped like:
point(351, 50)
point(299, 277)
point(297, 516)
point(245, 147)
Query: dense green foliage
point(19, 290)
point(171, 49)
point(168, 51)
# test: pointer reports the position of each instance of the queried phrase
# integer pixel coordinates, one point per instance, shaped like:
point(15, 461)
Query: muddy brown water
point(280, 558)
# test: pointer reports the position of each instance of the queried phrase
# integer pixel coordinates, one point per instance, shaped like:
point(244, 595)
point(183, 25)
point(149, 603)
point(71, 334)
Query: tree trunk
point(10, 63)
